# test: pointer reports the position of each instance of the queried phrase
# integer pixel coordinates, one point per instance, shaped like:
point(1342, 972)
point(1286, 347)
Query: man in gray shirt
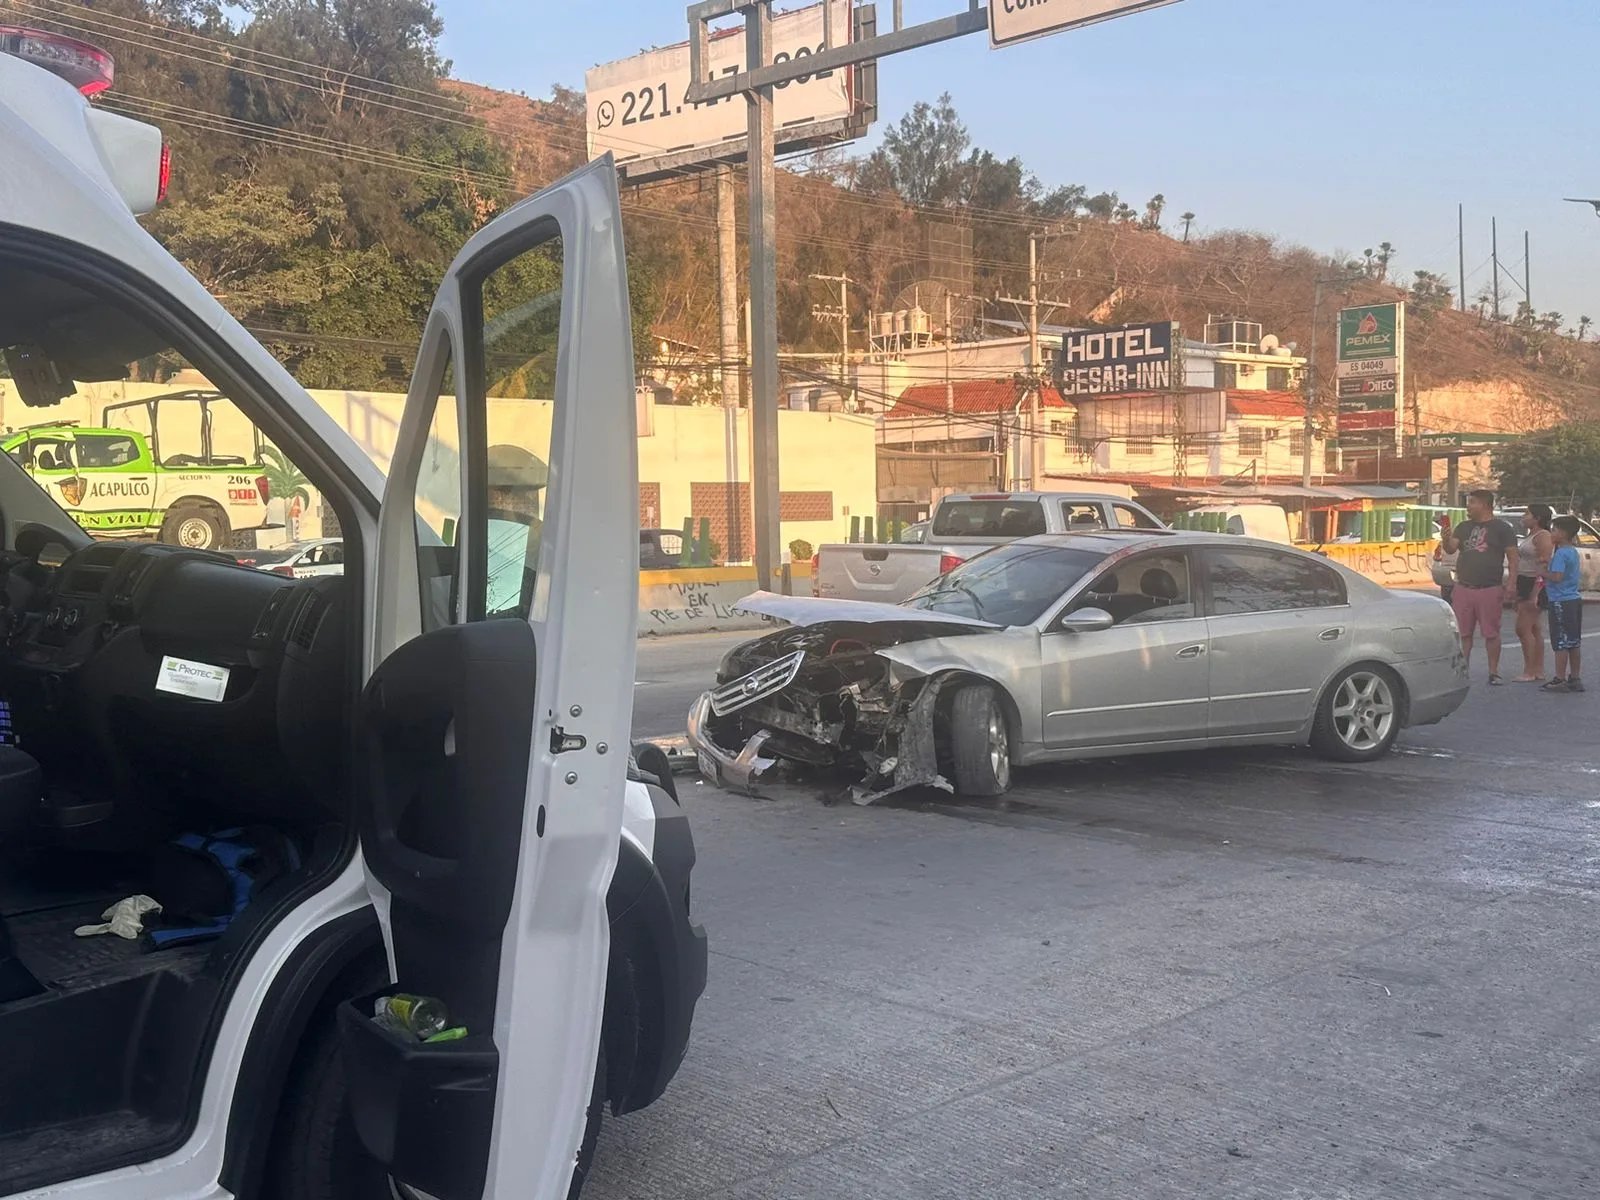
point(1486, 574)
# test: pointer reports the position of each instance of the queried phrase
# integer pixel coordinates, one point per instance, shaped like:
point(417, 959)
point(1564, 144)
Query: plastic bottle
point(419, 1017)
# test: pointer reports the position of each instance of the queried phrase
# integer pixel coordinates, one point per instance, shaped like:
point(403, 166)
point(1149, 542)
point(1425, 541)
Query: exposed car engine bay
point(826, 696)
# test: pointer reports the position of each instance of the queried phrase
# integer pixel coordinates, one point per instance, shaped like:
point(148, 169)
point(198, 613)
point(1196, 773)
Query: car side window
point(1129, 517)
point(1079, 517)
point(1255, 581)
point(102, 450)
point(1588, 538)
point(1143, 589)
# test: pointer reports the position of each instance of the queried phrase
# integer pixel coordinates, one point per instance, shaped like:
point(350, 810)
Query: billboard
point(635, 108)
point(1110, 362)
point(1370, 375)
point(1013, 21)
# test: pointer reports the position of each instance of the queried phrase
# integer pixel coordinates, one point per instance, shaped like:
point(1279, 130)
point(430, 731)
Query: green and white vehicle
point(117, 482)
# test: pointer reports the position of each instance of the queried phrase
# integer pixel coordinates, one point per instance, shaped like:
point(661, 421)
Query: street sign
point(1013, 21)
point(1102, 362)
point(636, 107)
point(1365, 420)
point(1461, 442)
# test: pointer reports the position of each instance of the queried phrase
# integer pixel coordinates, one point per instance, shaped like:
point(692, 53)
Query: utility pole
point(843, 313)
point(949, 380)
point(730, 353)
point(1527, 274)
point(1035, 379)
point(1461, 254)
point(761, 139)
point(1311, 368)
point(1494, 259)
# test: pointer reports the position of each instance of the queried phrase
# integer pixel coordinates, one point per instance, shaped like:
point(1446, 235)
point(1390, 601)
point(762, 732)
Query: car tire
point(194, 526)
point(980, 742)
point(1359, 715)
point(591, 1127)
point(317, 1153)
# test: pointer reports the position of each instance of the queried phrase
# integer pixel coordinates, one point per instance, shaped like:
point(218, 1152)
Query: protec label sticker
point(197, 680)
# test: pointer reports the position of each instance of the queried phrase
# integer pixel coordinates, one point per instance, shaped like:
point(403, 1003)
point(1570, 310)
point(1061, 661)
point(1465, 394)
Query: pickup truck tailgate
point(866, 572)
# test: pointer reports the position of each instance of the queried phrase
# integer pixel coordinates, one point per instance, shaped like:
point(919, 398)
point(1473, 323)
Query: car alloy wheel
point(999, 747)
point(1364, 711)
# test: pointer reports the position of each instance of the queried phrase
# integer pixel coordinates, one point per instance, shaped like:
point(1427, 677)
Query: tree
point(1385, 254)
point(921, 155)
point(1560, 466)
point(1187, 219)
point(1583, 327)
point(1153, 209)
point(1429, 294)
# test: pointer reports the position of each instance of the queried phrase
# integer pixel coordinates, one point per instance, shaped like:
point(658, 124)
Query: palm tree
point(1187, 219)
point(285, 482)
point(1583, 326)
point(1385, 253)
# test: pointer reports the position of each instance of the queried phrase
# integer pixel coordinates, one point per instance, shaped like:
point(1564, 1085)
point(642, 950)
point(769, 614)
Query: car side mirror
point(1086, 620)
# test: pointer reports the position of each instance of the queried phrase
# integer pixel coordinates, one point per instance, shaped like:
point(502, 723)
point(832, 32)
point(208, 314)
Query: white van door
point(497, 713)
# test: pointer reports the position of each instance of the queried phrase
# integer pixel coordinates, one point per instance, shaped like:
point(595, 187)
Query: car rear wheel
point(980, 743)
point(1359, 715)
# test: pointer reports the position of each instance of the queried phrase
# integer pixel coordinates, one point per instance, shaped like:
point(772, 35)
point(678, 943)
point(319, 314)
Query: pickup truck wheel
point(193, 526)
point(980, 743)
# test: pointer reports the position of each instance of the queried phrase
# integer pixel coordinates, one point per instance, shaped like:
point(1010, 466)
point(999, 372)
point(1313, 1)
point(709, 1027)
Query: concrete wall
point(703, 599)
point(1393, 564)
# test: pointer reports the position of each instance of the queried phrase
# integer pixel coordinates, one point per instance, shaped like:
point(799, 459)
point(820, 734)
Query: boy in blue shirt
point(1566, 606)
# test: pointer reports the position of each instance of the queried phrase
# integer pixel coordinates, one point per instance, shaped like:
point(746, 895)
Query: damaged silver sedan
point(1078, 646)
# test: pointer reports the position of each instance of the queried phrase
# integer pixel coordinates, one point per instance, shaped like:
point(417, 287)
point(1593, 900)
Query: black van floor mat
point(46, 944)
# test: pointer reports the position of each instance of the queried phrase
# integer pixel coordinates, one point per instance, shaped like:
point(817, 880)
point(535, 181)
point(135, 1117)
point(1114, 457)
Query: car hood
point(816, 610)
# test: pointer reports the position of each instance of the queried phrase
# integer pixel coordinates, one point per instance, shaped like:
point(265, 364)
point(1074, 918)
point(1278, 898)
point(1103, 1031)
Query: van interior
point(156, 703)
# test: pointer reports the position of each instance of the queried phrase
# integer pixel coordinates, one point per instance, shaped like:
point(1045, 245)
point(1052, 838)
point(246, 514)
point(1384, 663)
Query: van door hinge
point(561, 741)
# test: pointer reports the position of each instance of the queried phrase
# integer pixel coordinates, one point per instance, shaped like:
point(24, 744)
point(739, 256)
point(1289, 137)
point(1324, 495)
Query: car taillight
point(166, 173)
point(88, 68)
point(289, 571)
point(949, 562)
point(816, 586)
point(264, 486)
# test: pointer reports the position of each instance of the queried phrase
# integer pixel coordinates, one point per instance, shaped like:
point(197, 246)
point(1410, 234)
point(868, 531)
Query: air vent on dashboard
point(307, 620)
point(269, 615)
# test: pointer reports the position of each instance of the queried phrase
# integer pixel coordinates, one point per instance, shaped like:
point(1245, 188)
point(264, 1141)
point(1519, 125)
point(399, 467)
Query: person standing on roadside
point(1566, 607)
point(1486, 574)
point(1533, 556)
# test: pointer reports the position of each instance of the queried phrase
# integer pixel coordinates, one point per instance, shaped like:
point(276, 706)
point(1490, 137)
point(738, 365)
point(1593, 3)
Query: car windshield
point(1009, 585)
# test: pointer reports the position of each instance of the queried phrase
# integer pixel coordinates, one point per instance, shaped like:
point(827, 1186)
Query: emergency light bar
point(87, 68)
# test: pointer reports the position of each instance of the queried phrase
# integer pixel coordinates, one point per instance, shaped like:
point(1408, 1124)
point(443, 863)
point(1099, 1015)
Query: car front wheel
point(980, 743)
point(1358, 717)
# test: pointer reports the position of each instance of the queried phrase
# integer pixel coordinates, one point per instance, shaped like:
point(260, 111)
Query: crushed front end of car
point(819, 694)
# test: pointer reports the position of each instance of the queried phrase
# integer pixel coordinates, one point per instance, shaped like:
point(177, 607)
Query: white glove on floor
point(125, 918)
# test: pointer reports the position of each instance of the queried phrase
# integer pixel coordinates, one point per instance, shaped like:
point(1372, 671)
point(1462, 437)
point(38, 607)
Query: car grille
point(762, 682)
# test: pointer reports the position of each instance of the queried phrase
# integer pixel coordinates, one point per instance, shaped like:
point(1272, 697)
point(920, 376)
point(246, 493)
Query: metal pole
point(1311, 389)
point(1494, 258)
point(763, 300)
point(1527, 274)
point(949, 380)
point(1461, 252)
point(728, 285)
point(1033, 360)
point(844, 336)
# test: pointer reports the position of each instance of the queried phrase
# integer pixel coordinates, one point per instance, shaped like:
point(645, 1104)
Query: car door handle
point(1332, 635)
point(1191, 652)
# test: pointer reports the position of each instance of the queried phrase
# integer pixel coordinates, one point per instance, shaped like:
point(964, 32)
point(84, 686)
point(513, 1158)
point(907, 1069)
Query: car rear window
point(988, 518)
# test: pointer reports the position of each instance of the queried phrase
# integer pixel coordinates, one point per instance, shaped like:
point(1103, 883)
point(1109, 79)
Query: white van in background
point(1265, 521)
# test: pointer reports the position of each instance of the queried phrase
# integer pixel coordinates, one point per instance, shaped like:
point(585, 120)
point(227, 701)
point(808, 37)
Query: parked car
point(1062, 647)
point(962, 526)
point(1266, 521)
point(429, 753)
point(297, 560)
point(916, 532)
point(1443, 566)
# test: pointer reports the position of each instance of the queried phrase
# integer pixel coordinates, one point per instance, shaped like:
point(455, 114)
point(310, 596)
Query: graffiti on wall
point(1393, 564)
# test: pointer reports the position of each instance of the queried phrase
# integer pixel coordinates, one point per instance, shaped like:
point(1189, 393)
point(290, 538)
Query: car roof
point(1112, 540)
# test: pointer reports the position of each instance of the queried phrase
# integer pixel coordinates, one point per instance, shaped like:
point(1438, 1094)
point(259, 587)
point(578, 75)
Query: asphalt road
point(1236, 974)
point(670, 673)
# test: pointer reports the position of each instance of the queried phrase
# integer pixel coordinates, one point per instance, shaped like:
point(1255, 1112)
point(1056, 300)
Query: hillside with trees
point(327, 168)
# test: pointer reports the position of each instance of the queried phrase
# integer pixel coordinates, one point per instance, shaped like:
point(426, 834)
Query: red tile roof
point(967, 396)
point(1284, 405)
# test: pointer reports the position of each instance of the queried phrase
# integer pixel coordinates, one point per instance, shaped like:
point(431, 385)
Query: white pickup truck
point(964, 525)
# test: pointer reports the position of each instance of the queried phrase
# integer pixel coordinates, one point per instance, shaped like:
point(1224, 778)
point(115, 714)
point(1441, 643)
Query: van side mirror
point(1086, 620)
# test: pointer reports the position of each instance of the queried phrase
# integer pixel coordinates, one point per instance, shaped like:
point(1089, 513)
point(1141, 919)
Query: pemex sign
point(1371, 375)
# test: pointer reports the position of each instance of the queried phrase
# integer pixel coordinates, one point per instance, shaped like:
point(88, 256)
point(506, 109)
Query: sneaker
point(1574, 685)
point(1555, 685)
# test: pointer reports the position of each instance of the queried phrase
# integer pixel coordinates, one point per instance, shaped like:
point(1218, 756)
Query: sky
point(1332, 125)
